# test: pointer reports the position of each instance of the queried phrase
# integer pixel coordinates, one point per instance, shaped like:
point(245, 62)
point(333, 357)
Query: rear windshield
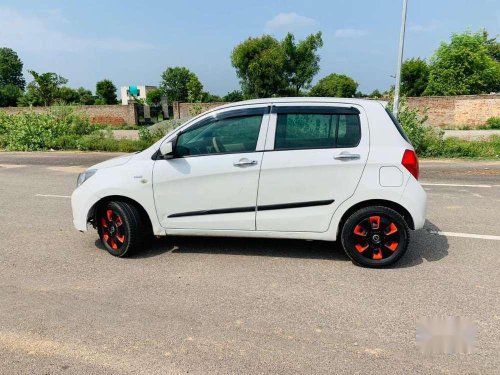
point(398, 125)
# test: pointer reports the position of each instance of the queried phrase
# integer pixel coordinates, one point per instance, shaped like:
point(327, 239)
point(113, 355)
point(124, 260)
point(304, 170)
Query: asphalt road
point(218, 305)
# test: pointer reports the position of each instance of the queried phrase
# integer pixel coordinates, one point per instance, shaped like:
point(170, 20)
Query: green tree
point(375, 94)
point(301, 60)
point(414, 77)
point(464, 67)
point(259, 64)
point(175, 83)
point(208, 97)
point(233, 96)
point(153, 97)
point(492, 45)
point(85, 96)
point(68, 95)
point(195, 89)
point(11, 69)
point(9, 95)
point(335, 85)
point(105, 91)
point(267, 67)
point(44, 88)
point(30, 97)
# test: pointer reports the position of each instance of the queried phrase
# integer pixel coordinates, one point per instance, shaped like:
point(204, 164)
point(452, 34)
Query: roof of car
point(357, 101)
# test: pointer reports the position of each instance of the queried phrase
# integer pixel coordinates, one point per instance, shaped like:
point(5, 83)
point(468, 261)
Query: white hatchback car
point(304, 168)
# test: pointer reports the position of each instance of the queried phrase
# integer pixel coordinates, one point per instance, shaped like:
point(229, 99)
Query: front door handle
point(345, 156)
point(244, 162)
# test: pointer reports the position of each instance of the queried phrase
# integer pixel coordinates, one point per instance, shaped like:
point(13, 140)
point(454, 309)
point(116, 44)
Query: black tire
point(119, 226)
point(369, 244)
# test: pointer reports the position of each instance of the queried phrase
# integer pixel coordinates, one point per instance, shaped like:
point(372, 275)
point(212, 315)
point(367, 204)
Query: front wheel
point(119, 228)
point(375, 236)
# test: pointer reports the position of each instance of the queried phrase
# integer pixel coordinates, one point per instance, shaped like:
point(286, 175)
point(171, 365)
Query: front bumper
point(82, 203)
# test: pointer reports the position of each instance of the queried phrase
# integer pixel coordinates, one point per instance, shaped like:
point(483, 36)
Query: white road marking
point(52, 196)
point(70, 169)
point(466, 235)
point(10, 166)
point(477, 195)
point(454, 185)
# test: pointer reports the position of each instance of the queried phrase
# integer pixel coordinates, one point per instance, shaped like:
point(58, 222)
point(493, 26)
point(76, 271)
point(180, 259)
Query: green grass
point(62, 129)
point(100, 142)
point(459, 148)
point(493, 123)
point(457, 127)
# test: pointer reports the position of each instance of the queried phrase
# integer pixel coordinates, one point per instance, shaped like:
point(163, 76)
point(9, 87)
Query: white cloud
point(422, 28)
point(289, 21)
point(350, 33)
point(26, 32)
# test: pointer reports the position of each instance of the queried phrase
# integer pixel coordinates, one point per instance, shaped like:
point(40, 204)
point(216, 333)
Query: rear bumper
point(414, 199)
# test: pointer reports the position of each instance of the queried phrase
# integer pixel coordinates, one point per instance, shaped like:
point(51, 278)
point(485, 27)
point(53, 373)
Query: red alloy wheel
point(377, 237)
point(113, 231)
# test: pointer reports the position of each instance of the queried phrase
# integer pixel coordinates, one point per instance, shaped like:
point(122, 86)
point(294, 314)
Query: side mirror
point(167, 150)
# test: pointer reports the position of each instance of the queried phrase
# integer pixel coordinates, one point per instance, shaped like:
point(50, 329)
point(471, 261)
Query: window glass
point(306, 131)
point(230, 135)
point(349, 132)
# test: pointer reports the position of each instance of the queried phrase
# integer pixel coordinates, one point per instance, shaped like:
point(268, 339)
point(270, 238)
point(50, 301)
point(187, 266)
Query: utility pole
point(400, 58)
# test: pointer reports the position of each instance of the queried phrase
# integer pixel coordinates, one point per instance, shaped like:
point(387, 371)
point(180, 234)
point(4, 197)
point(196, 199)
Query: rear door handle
point(244, 162)
point(345, 156)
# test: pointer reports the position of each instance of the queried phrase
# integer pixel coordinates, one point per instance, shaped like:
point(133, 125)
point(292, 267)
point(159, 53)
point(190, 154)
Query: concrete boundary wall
point(472, 110)
point(189, 110)
point(101, 114)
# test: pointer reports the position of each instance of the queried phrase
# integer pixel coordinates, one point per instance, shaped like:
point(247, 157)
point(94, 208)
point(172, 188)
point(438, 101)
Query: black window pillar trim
point(314, 109)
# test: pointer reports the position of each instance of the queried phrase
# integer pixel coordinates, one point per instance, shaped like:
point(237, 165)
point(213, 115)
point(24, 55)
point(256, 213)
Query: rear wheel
point(119, 227)
point(375, 236)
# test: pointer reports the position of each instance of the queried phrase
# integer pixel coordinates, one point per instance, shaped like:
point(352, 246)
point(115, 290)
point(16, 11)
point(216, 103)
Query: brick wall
point(189, 110)
point(103, 114)
point(472, 110)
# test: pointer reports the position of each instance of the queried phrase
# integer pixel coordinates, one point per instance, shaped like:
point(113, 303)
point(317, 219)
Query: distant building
point(133, 93)
point(129, 93)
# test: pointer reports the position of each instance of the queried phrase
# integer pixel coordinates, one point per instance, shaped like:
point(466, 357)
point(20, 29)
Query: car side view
point(304, 168)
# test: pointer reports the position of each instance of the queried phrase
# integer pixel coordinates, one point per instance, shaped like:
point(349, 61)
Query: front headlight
point(82, 177)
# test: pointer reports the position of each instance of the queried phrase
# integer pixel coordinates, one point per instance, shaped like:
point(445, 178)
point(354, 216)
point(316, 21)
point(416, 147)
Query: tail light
point(410, 162)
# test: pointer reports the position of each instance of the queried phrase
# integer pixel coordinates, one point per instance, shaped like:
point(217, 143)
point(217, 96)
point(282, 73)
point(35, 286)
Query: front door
point(312, 164)
point(212, 181)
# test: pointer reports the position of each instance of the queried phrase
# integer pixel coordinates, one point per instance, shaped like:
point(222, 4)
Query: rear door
point(212, 181)
point(314, 158)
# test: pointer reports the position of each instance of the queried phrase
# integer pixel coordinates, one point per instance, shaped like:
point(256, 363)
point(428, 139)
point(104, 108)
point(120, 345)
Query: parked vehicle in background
point(305, 168)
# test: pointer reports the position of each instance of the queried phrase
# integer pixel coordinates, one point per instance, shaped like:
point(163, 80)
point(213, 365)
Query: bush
point(32, 131)
point(461, 148)
point(493, 123)
point(423, 137)
point(63, 129)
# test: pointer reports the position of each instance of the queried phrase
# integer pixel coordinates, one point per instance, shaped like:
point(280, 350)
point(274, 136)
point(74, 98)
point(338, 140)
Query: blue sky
point(132, 42)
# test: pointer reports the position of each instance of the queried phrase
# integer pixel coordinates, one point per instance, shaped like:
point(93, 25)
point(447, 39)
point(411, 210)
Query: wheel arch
point(91, 215)
point(377, 202)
